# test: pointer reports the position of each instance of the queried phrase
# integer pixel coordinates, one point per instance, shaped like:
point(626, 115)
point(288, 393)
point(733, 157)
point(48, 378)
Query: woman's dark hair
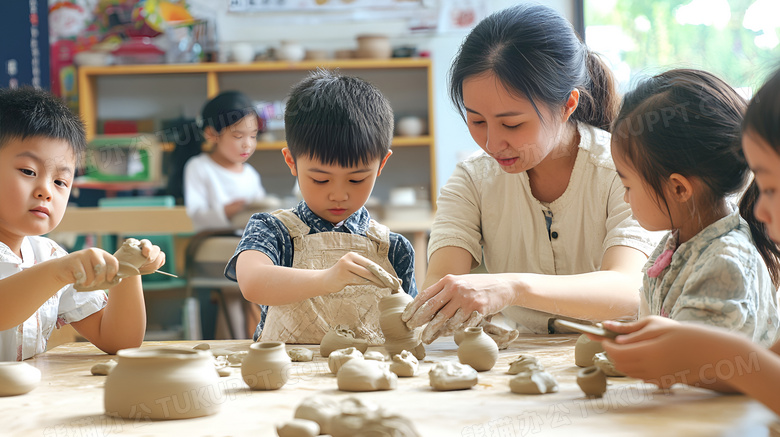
point(686, 122)
point(338, 119)
point(536, 54)
point(226, 109)
point(29, 112)
point(762, 118)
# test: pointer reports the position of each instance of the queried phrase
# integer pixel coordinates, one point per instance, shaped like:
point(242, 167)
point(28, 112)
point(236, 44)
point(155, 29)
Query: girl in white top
point(543, 205)
point(40, 143)
point(219, 184)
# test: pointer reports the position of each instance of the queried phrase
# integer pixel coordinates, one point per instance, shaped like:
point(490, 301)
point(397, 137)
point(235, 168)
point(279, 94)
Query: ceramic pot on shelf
point(374, 47)
point(162, 383)
point(477, 349)
point(267, 366)
point(290, 51)
point(18, 378)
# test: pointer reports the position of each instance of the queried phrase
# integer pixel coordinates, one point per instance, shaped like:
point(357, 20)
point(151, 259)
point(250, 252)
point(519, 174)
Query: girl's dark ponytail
point(766, 247)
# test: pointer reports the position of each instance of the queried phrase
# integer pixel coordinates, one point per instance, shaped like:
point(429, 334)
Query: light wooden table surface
point(69, 401)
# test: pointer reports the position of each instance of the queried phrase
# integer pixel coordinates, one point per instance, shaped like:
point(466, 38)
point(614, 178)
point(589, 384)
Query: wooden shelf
point(279, 145)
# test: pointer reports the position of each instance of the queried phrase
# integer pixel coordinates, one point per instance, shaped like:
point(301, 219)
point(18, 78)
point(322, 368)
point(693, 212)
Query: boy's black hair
point(29, 112)
point(338, 119)
point(226, 109)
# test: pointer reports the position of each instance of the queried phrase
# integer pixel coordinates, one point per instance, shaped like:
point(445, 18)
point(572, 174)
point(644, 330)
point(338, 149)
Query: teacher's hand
point(457, 301)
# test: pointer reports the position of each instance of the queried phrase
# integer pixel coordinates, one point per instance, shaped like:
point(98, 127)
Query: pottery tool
point(586, 329)
point(165, 273)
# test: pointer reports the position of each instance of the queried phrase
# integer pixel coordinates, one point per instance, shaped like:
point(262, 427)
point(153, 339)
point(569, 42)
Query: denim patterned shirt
point(269, 235)
point(717, 278)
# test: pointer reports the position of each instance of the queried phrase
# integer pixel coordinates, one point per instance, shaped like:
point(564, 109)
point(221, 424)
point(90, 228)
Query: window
point(735, 39)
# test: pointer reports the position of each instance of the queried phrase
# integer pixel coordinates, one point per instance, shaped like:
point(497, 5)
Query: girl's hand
point(457, 301)
point(154, 256)
point(87, 268)
point(349, 270)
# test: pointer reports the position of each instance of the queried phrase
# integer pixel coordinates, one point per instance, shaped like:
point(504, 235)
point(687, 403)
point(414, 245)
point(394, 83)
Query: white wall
point(453, 140)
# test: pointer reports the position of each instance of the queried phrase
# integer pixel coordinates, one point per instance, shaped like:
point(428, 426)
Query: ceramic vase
point(477, 349)
point(592, 381)
point(398, 337)
point(18, 378)
point(374, 47)
point(162, 383)
point(267, 366)
point(290, 51)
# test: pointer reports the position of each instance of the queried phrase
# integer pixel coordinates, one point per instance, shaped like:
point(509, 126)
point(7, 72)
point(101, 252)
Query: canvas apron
point(356, 306)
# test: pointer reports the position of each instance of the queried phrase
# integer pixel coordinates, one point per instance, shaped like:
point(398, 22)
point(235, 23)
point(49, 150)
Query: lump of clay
point(452, 376)
point(202, 347)
point(298, 428)
point(235, 359)
point(318, 409)
point(592, 381)
point(478, 350)
point(366, 375)
point(341, 337)
point(18, 378)
point(584, 350)
point(359, 418)
point(340, 357)
point(300, 354)
point(602, 361)
point(404, 364)
point(374, 355)
point(103, 368)
point(533, 382)
point(524, 363)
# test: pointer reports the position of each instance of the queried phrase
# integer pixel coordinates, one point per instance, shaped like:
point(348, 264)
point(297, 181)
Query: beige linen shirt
point(494, 216)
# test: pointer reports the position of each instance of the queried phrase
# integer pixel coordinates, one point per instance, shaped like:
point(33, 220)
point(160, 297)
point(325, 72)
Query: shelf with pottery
point(70, 400)
point(167, 90)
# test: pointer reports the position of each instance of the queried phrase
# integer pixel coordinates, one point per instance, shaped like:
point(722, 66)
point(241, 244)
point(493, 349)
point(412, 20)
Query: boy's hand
point(349, 270)
point(234, 208)
point(88, 267)
point(155, 257)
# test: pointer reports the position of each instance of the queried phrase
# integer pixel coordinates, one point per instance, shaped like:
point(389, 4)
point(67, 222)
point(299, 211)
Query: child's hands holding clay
point(351, 269)
point(89, 269)
point(133, 258)
point(153, 256)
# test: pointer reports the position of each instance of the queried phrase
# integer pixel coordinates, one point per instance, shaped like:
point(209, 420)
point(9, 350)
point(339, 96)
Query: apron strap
point(379, 234)
point(295, 226)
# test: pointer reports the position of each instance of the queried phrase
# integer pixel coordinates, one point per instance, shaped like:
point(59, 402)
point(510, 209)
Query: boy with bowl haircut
point(306, 266)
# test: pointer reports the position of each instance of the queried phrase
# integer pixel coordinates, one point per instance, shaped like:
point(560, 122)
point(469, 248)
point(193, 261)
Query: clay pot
point(398, 336)
point(410, 126)
point(592, 381)
point(267, 366)
point(584, 351)
point(162, 383)
point(374, 47)
point(18, 378)
point(477, 349)
point(290, 51)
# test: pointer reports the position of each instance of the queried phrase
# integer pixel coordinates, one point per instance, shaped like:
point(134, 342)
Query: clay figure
point(602, 361)
point(584, 350)
point(18, 378)
point(236, 358)
point(340, 357)
point(298, 428)
point(533, 382)
point(452, 376)
point(592, 381)
point(404, 364)
point(478, 350)
point(267, 366)
point(319, 410)
point(160, 378)
point(374, 355)
point(341, 337)
point(300, 354)
point(366, 375)
point(524, 363)
point(130, 259)
point(103, 368)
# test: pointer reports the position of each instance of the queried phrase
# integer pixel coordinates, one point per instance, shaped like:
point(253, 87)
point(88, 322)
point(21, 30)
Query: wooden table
point(69, 401)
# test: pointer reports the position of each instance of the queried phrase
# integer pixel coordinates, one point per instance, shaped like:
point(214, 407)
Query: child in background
point(306, 266)
point(674, 146)
point(219, 184)
point(665, 352)
point(40, 143)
